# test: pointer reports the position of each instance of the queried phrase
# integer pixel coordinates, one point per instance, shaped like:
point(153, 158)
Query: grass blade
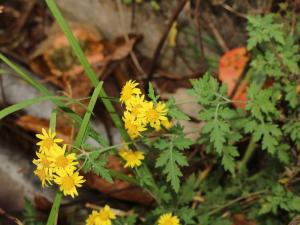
point(21, 105)
point(52, 219)
point(86, 119)
point(52, 123)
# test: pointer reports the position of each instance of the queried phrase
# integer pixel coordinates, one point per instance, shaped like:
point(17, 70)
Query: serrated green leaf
point(170, 159)
point(174, 112)
point(151, 93)
point(182, 142)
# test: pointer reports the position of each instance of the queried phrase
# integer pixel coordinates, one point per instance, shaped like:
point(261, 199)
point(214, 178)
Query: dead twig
point(163, 38)
point(10, 217)
point(215, 32)
point(199, 28)
point(232, 10)
point(132, 54)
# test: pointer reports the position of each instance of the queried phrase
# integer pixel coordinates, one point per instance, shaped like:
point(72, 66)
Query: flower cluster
point(101, 217)
point(141, 113)
point(53, 164)
point(168, 219)
point(132, 158)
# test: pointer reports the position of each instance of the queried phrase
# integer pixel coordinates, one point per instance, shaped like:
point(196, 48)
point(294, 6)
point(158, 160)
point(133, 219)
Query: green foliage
point(126, 220)
point(174, 112)
point(279, 199)
point(218, 130)
point(95, 162)
point(263, 29)
point(187, 191)
point(292, 129)
point(151, 93)
point(171, 157)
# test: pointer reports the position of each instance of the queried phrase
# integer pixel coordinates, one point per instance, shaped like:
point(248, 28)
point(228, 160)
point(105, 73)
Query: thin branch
point(199, 28)
point(215, 32)
point(163, 38)
point(232, 10)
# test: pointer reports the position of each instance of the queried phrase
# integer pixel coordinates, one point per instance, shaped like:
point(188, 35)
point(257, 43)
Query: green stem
point(248, 154)
point(52, 219)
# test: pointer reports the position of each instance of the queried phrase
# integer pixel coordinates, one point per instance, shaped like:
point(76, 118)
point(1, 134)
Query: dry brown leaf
point(35, 125)
point(241, 219)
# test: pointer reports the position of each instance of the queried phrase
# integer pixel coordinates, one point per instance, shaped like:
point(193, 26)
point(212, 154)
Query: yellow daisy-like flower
point(60, 161)
point(92, 219)
point(43, 162)
point(132, 158)
point(135, 104)
point(129, 90)
point(102, 217)
point(47, 140)
point(168, 219)
point(133, 126)
point(154, 115)
point(44, 177)
point(68, 181)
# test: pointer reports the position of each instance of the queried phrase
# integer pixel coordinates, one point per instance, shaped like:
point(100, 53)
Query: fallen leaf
point(240, 219)
point(232, 65)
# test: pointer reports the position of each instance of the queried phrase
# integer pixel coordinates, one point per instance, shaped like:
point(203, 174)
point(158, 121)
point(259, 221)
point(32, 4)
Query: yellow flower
point(135, 104)
point(47, 140)
point(132, 158)
point(60, 161)
point(44, 177)
point(93, 218)
point(102, 217)
point(133, 126)
point(129, 90)
point(168, 219)
point(154, 115)
point(43, 162)
point(68, 181)
point(167, 124)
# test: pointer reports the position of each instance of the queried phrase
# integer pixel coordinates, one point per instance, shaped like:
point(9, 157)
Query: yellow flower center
point(61, 161)
point(45, 162)
point(104, 215)
point(152, 115)
point(136, 110)
point(48, 142)
point(67, 183)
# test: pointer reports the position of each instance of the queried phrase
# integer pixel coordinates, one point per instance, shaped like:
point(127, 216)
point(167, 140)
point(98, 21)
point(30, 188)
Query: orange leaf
point(232, 65)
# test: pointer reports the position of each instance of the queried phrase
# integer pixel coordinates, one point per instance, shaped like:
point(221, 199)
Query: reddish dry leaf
point(42, 203)
point(240, 219)
point(232, 65)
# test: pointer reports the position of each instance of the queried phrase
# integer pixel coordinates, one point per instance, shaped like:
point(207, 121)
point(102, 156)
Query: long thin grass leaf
point(87, 116)
point(25, 103)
